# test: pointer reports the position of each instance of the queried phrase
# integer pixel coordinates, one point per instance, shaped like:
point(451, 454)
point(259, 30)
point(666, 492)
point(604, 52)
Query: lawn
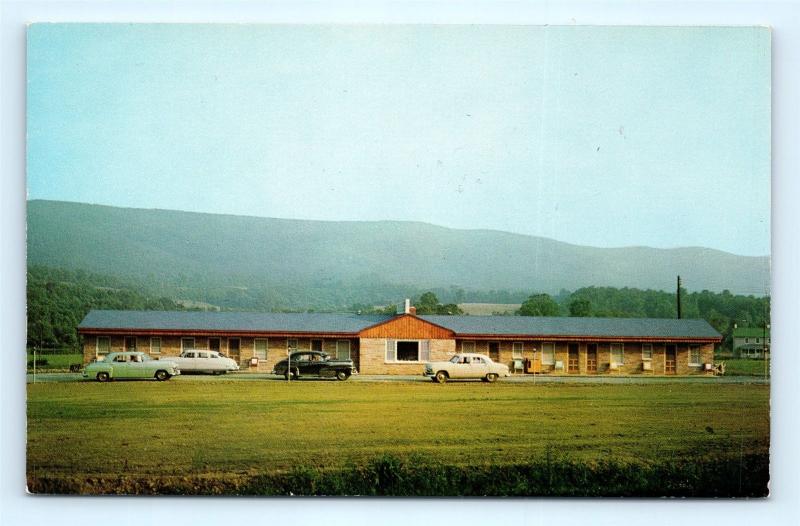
point(745, 367)
point(55, 361)
point(225, 427)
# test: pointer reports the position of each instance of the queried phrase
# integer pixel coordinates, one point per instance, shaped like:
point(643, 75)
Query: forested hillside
point(280, 263)
point(59, 299)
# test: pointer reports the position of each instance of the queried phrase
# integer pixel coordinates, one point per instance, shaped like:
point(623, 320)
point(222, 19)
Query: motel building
point(401, 344)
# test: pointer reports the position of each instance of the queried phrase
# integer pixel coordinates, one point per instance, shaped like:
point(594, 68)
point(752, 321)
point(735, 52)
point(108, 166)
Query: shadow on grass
point(387, 475)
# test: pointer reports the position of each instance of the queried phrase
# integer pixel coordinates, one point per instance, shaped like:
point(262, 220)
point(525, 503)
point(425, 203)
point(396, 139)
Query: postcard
point(398, 260)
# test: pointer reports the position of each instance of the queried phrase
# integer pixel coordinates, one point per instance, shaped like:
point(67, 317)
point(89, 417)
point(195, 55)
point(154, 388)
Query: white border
point(781, 508)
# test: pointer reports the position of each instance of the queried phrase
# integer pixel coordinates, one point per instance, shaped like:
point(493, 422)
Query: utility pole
point(678, 298)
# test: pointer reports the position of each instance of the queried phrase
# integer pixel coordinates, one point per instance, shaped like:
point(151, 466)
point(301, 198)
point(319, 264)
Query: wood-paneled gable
point(407, 326)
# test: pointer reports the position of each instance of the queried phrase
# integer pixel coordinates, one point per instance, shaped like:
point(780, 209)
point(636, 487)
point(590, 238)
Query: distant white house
point(750, 342)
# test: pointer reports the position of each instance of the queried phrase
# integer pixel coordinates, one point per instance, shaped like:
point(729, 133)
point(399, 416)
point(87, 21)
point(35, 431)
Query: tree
point(580, 307)
point(429, 304)
point(540, 305)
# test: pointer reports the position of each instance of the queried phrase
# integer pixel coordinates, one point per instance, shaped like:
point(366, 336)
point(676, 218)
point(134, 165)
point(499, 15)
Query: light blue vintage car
point(130, 365)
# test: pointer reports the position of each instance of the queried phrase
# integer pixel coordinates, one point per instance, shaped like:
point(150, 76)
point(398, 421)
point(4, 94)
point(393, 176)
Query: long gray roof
point(536, 325)
point(229, 321)
point(353, 323)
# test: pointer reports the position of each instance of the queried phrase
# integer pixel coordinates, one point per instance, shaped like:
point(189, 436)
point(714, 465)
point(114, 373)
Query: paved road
point(520, 379)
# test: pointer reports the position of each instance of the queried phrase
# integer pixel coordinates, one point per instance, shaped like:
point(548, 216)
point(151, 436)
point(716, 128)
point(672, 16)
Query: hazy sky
point(590, 135)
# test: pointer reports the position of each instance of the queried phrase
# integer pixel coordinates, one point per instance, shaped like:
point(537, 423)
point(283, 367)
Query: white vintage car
point(130, 364)
point(203, 361)
point(466, 365)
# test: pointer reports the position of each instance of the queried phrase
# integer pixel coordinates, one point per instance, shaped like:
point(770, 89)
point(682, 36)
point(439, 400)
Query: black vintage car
point(314, 363)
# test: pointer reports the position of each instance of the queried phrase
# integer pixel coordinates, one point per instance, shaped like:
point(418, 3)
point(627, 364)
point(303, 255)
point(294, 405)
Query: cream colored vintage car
point(466, 365)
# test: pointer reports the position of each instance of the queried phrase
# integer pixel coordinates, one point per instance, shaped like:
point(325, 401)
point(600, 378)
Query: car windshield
point(455, 359)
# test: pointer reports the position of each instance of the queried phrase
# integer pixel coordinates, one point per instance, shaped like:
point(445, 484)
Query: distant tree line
point(721, 310)
point(58, 300)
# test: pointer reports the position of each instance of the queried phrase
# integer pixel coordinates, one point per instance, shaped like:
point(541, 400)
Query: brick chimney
point(412, 310)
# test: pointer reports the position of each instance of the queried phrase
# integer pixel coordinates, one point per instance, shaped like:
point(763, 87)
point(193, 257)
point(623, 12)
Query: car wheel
point(103, 377)
point(162, 375)
point(342, 375)
point(441, 377)
point(491, 377)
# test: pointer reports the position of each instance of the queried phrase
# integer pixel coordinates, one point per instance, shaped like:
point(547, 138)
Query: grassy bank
point(745, 367)
point(387, 475)
point(243, 431)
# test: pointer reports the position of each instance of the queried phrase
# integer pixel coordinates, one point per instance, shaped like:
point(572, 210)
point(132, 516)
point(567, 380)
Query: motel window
point(103, 345)
point(516, 350)
point(408, 350)
point(548, 353)
point(155, 345)
point(467, 346)
point(694, 355)
point(758, 340)
point(260, 348)
point(647, 351)
point(617, 354)
point(747, 340)
point(186, 344)
point(130, 343)
point(342, 349)
point(291, 344)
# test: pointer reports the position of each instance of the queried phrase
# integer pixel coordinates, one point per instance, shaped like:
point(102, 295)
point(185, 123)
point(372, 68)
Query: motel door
point(233, 349)
point(591, 358)
point(670, 359)
point(572, 359)
point(494, 351)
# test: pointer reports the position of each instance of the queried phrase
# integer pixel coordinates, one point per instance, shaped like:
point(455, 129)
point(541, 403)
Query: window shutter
point(390, 351)
point(424, 351)
point(261, 348)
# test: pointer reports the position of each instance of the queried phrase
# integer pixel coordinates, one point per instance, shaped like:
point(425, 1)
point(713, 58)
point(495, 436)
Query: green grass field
point(744, 367)
point(56, 362)
point(230, 428)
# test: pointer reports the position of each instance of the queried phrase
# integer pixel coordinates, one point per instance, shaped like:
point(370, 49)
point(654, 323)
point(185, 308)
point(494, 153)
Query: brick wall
point(171, 346)
point(373, 357)
point(632, 357)
point(368, 354)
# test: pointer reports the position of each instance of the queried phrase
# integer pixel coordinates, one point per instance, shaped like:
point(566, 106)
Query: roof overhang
point(213, 332)
point(585, 338)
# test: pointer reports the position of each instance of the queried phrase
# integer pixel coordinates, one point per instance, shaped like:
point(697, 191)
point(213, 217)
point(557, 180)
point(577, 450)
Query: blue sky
point(591, 135)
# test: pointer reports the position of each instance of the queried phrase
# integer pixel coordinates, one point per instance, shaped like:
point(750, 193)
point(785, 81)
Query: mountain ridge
point(238, 249)
point(391, 222)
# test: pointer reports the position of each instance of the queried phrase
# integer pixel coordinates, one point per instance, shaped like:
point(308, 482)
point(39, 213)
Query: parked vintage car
point(314, 363)
point(203, 361)
point(466, 365)
point(130, 365)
